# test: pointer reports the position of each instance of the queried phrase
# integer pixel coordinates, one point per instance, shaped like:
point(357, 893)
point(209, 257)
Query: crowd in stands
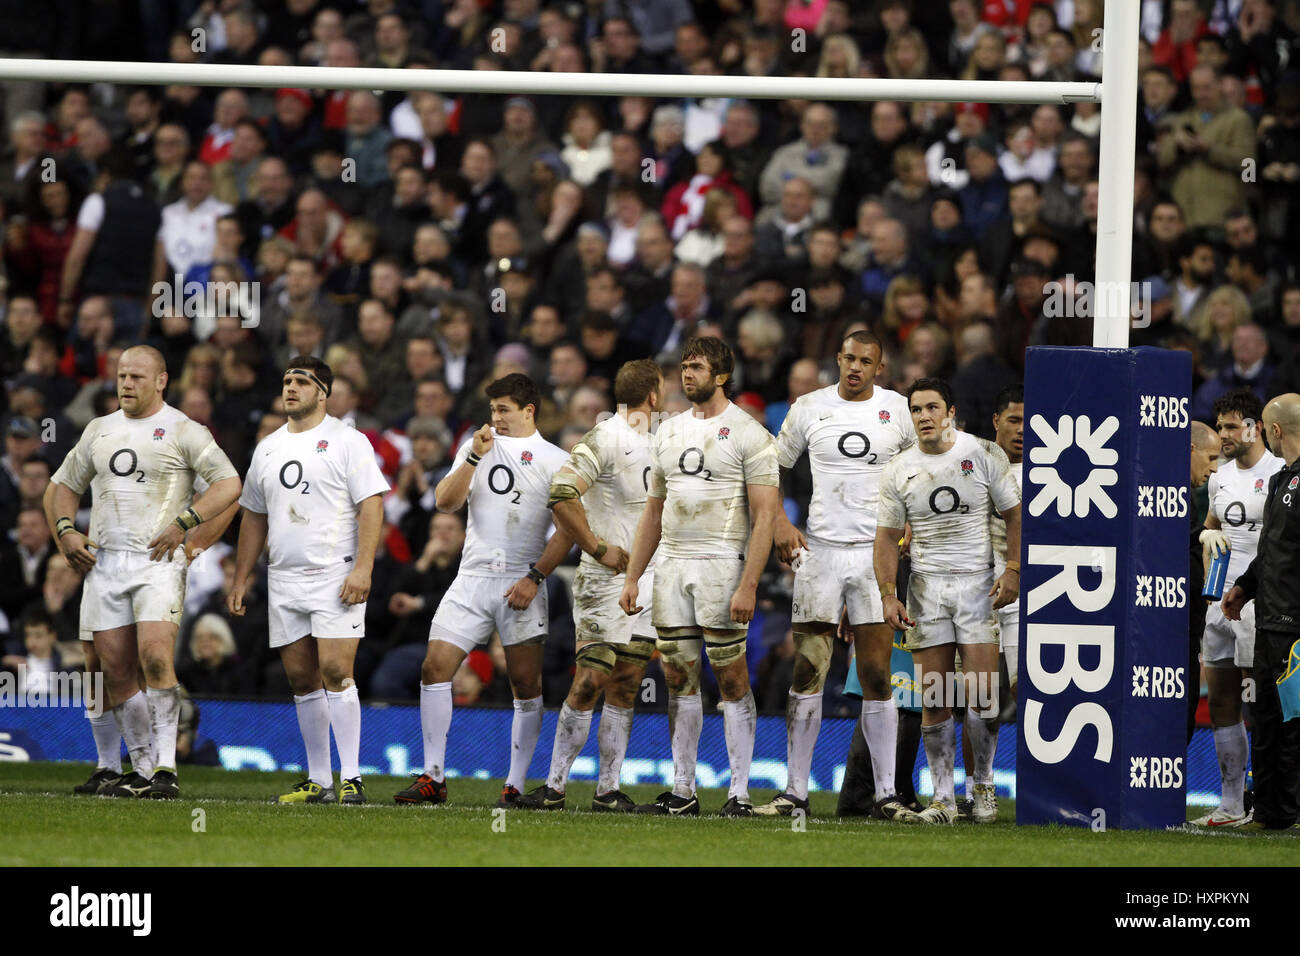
point(425, 244)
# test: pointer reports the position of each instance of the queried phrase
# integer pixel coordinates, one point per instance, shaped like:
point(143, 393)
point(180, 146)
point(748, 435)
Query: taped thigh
point(637, 651)
point(597, 656)
point(727, 650)
point(815, 652)
point(684, 656)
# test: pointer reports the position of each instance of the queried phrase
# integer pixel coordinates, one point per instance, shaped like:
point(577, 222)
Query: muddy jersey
point(614, 460)
point(701, 467)
point(1237, 499)
point(947, 499)
point(848, 445)
point(309, 484)
point(998, 526)
point(141, 473)
point(508, 517)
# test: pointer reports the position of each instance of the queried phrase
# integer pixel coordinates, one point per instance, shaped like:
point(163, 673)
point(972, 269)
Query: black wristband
point(64, 526)
point(189, 519)
point(537, 577)
point(472, 460)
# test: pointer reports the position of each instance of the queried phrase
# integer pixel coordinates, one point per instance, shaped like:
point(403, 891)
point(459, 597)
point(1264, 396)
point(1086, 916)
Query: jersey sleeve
point(906, 427)
point(1003, 490)
point(588, 459)
point(1213, 490)
point(760, 461)
point(658, 481)
point(891, 511)
point(204, 455)
point(793, 438)
point(251, 497)
point(78, 468)
point(364, 477)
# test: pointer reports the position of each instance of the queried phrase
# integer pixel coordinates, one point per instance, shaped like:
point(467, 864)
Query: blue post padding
point(1104, 593)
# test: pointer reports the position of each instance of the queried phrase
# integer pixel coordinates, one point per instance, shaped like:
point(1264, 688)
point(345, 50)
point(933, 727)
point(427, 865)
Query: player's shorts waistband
point(342, 568)
point(840, 545)
point(951, 572)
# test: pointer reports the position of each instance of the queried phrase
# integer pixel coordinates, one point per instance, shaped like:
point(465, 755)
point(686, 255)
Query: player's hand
point(401, 604)
point(75, 547)
point(1005, 589)
point(1213, 543)
point(896, 614)
point(788, 539)
point(521, 594)
point(1233, 602)
point(627, 600)
point(167, 541)
point(356, 587)
point(615, 558)
point(235, 600)
point(483, 440)
point(742, 603)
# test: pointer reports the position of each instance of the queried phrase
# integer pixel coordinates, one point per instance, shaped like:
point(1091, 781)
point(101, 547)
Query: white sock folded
point(133, 719)
point(880, 728)
point(685, 721)
point(345, 718)
point(612, 735)
point(524, 731)
point(108, 741)
point(435, 721)
point(803, 721)
point(314, 724)
point(739, 723)
point(570, 737)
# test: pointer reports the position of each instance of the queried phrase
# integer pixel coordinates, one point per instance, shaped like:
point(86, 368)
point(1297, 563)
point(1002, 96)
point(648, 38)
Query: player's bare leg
point(441, 661)
point(813, 642)
point(680, 655)
point(119, 657)
point(524, 669)
point(739, 713)
point(1230, 744)
point(303, 670)
point(103, 726)
point(873, 645)
point(981, 675)
point(936, 665)
point(599, 670)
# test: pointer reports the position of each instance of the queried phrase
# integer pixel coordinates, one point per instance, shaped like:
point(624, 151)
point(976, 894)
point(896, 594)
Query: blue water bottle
point(1216, 576)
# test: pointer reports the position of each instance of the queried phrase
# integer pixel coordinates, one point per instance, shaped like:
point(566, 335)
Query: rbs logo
point(1158, 591)
point(1162, 501)
point(1164, 682)
point(1163, 411)
point(1155, 773)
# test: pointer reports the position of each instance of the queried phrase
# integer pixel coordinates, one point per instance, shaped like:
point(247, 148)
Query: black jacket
point(1271, 577)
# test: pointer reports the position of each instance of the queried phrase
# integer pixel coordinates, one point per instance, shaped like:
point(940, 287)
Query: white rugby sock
point(133, 718)
point(880, 728)
point(803, 721)
point(739, 721)
point(435, 721)
point(314, 723)
point(984, 745)
point(612, 735)
point(570, 737)
point(1231, 746)
point(108, 741)
point(524, 731)
point(685, 721)
point(939, 754)
point(165, 715)
point(345, 718)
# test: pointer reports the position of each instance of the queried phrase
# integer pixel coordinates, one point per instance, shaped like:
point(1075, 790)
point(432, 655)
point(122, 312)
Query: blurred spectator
point(1250, 368)
point(215, 667)
point(815, 158)
point(979, 377)
point(41, 660)
point(23, 560)
point(781, 236)
point(1226, 310)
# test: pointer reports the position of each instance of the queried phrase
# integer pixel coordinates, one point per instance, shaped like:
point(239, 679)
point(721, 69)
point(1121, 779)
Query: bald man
point(140, 464)
point(1271, 581)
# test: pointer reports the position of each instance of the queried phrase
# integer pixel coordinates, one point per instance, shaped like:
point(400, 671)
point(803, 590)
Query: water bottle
point(1216, 576)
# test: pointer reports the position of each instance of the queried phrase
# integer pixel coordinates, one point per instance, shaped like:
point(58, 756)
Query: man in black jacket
point(1270, 580)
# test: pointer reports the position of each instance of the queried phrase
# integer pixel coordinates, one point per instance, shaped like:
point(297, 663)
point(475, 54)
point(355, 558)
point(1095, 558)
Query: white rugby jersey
point(848, 444)
point(508, 517)
point(141, 473)
point(614, 460)
point(947, 499)
point(701, 467)
point(308, 484)
point(1237, 497)
point(998, 527)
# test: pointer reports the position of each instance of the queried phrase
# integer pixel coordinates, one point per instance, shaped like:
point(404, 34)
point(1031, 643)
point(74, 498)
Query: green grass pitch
point(44, 824)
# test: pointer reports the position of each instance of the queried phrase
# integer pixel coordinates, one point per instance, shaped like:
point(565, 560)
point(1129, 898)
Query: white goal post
point(1118, 124)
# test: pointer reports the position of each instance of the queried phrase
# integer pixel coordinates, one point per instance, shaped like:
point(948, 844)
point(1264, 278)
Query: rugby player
point(850, 431)
point(1009, 435)
point(141, 464)
point(597, 498)
point(504, 471)
point(1238, 493)
point(314, 491)
point(944, 486)
point(713, 499)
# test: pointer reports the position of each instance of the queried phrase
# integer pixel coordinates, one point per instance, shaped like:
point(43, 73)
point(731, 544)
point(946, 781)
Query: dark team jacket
point(1272, 576)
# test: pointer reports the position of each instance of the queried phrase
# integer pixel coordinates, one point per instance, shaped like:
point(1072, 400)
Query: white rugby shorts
point(1228, 643)
point(475, 606)
point(950, 609)
point(827, 579)
point(309, 605)
point(125, 587)
point(596, 614)
point(696, 592)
